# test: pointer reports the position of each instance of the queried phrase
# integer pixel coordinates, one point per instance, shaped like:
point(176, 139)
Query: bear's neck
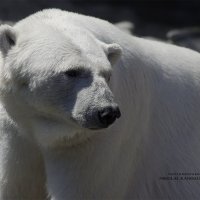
point(21, 164)
point(94, 169)
point(82, 170)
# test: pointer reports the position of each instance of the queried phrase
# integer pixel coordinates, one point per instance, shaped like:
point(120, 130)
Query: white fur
point(156, 85)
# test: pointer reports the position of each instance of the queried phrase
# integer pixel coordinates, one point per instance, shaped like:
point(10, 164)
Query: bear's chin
point(79, 138)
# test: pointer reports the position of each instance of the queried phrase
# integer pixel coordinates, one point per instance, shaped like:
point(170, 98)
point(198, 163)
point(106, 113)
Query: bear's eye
point(72, 73)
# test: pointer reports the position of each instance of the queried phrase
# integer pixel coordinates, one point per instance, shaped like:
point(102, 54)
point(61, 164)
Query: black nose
point(108, 115)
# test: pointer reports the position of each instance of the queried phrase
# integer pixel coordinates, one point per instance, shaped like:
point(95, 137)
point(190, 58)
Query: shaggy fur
point(48, 117)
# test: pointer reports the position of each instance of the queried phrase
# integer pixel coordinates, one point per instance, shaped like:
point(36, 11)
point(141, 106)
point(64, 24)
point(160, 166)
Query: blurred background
point(150, 17)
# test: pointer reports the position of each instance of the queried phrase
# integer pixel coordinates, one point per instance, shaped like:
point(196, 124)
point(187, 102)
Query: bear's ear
point(7, 38)
point(113, 52)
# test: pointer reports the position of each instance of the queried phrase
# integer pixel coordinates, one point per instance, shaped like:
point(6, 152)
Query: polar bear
point(91, 112)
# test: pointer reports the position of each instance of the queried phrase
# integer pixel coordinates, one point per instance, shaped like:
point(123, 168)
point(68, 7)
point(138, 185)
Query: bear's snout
point(108, 115)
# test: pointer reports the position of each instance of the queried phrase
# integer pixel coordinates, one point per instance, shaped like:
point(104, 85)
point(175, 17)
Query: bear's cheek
point(60, 97)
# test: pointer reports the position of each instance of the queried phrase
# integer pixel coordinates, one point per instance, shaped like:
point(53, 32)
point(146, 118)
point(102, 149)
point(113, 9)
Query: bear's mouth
point(98, 128)
point(95, 128)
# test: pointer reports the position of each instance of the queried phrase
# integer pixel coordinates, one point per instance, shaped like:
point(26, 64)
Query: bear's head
point(54, 83)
